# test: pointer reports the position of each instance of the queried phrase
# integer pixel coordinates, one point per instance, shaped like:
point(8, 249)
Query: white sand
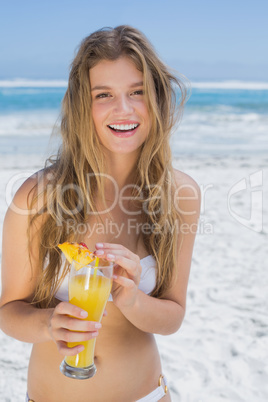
point(221, 351)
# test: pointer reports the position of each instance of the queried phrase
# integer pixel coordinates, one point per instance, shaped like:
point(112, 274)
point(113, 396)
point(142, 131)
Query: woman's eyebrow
point(100, 87)
point(136, 84)
point(105, 87)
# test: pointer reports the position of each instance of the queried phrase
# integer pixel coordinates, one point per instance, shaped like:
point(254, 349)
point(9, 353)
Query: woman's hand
point(127, 272)
point(67, 323)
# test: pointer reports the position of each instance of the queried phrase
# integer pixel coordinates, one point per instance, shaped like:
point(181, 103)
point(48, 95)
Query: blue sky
point(205, 40)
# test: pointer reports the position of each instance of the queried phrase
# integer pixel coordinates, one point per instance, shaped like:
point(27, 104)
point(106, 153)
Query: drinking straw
point(96, 266)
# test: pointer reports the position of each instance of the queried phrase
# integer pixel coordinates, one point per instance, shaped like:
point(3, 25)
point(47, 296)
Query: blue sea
point(228, 117)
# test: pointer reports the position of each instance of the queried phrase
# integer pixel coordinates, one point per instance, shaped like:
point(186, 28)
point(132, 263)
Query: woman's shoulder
point(187, 192)
point(33, 186)
point(183, 180)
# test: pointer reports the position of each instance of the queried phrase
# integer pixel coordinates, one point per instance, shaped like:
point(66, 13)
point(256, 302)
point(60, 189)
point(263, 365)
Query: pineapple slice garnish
point(78, 253)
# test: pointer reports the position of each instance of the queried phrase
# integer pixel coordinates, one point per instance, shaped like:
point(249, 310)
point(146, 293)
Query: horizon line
point(198, 84)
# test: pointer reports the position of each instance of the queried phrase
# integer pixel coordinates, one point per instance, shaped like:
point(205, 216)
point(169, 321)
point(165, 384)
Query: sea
point(220, 117)
point(220, 353)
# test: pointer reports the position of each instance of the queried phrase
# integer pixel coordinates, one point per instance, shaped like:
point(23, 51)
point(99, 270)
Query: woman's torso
point(127, 359)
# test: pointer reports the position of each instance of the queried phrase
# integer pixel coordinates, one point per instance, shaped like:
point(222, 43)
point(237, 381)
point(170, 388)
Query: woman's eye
point(104, 95)
point(139, 92)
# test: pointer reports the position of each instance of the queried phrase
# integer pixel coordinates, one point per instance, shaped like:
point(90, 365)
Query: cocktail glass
point(89, 288)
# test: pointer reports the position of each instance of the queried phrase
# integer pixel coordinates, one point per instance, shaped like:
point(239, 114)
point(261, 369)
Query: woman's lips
point(123, 133)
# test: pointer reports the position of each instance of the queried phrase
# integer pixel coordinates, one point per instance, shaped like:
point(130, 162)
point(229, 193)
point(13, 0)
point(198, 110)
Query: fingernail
point(98, 325)
point(83, 314)
point(99, 252)
point(100, 245)
point(94, 334)
point(110, 256)
point(80, 349)
point(115, 276)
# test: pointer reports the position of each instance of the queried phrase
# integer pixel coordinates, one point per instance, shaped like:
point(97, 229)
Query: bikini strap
point(162, 377)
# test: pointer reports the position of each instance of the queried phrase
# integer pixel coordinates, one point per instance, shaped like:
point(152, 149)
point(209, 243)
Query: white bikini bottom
point(153, 396)
point(157, 393)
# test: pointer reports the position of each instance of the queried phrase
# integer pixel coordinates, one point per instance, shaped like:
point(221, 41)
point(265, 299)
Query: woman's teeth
point(123, 127)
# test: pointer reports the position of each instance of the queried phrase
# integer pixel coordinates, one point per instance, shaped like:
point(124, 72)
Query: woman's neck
point(121, 169)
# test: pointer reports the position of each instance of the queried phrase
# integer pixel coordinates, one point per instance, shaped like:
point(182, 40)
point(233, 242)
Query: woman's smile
point(123, 129)
point(119, 108)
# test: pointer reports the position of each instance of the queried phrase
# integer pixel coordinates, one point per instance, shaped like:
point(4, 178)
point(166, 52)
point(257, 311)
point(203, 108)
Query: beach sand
point(221, 351)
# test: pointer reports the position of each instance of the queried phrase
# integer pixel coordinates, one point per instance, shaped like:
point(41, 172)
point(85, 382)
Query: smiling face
point(119, 108)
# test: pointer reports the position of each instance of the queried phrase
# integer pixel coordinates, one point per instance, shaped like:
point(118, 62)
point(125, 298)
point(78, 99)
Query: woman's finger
point(66, 351)
point(109, 246)
point(70, 309)
point(115, 249)
point(123, 281)
point(125, 253)
point(72, 336)
point(133, 268)
point(75, 324)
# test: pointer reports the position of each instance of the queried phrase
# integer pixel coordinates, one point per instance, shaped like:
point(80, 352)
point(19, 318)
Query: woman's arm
point(162, 316)
point(18, 317)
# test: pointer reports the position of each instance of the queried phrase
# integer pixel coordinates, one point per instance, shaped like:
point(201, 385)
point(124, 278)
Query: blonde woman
point(113, 187)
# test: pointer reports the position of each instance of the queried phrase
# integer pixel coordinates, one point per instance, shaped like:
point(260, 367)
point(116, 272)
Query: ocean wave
point(222, 122)
point(232, 84)
point(20, 91)
point(25, 83)
point(29, 123)
point(42, 83)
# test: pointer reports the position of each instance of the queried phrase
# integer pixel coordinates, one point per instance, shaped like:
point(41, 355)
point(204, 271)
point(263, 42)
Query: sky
point(202, 39)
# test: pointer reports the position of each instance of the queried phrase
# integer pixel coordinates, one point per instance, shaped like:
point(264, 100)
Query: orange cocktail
point(89, 288)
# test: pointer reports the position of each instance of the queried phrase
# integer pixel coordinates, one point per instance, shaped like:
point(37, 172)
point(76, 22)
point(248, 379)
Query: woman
point(112, 186)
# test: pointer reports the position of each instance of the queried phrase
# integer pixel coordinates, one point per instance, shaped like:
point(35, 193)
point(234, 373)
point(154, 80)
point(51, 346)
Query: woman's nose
point(123, 105)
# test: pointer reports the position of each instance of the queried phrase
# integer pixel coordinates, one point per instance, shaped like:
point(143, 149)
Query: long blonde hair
point(80, 157)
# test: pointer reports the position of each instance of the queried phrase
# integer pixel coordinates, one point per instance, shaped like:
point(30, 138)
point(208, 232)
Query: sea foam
point(42, 83)
point(232, 84)
point(24, 83)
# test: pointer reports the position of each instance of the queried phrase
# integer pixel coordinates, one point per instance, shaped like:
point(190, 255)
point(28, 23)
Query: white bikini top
point(147, 281)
